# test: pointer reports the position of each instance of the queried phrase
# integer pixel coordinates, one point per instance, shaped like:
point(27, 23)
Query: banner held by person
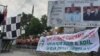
point(84, 41)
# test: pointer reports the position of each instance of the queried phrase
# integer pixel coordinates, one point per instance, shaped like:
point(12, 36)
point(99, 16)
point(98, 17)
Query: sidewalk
point(19, 53)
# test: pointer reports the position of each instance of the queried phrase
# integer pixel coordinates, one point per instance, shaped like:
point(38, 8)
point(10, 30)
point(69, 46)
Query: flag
point(12, 28)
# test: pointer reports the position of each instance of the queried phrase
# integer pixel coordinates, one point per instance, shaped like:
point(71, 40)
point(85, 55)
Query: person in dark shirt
point(87, 14)
point(1, 17)
point(90, 13)
point(97, 14)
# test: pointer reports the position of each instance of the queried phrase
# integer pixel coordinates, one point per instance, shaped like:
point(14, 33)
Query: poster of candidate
point(91, 13)
point(74, 13)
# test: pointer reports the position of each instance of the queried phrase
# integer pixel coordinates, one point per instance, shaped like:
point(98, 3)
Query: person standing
point(89, 15)
point(68, 14)
point(97, 14)
point(76, 15)
point(86, 15)
point(92, 15)
point(1, 17)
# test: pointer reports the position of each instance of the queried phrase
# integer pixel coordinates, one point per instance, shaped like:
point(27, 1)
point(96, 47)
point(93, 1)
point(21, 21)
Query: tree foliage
point(44, 23)
point(33, 25)
point(25, 19)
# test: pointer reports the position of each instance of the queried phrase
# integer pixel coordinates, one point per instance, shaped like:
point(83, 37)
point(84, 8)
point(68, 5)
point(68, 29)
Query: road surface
point(19, 53)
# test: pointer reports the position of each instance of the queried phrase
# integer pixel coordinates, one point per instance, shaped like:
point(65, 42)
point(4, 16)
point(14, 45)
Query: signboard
point(84, 41)
point(69, 30)
point(84, 13)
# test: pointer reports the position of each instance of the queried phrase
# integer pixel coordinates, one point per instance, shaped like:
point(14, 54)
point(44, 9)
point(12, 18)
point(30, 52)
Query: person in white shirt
point(68, 14)
point(76, 16)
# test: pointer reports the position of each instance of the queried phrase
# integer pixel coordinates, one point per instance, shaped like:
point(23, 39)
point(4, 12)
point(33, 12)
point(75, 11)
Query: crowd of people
point(29, 41)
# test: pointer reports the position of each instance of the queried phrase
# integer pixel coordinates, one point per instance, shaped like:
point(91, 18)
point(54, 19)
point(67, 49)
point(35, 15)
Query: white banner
point(85, 41)
point(74, 13)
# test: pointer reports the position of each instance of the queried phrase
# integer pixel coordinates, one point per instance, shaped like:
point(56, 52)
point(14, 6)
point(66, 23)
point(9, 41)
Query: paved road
point(19, 53)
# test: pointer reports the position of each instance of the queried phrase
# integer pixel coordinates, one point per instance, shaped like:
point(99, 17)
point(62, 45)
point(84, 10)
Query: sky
point(16, 7)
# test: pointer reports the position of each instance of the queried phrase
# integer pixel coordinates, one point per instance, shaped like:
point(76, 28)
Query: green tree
point(34, 27)
point(25, 19)
point(44, 23)
point(30, 24)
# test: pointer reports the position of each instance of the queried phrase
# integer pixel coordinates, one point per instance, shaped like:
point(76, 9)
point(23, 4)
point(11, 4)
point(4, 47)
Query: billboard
point(84, 13)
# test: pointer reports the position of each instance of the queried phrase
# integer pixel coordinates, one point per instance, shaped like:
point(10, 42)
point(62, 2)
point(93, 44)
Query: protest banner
point(84, 13)
point(84, 41)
